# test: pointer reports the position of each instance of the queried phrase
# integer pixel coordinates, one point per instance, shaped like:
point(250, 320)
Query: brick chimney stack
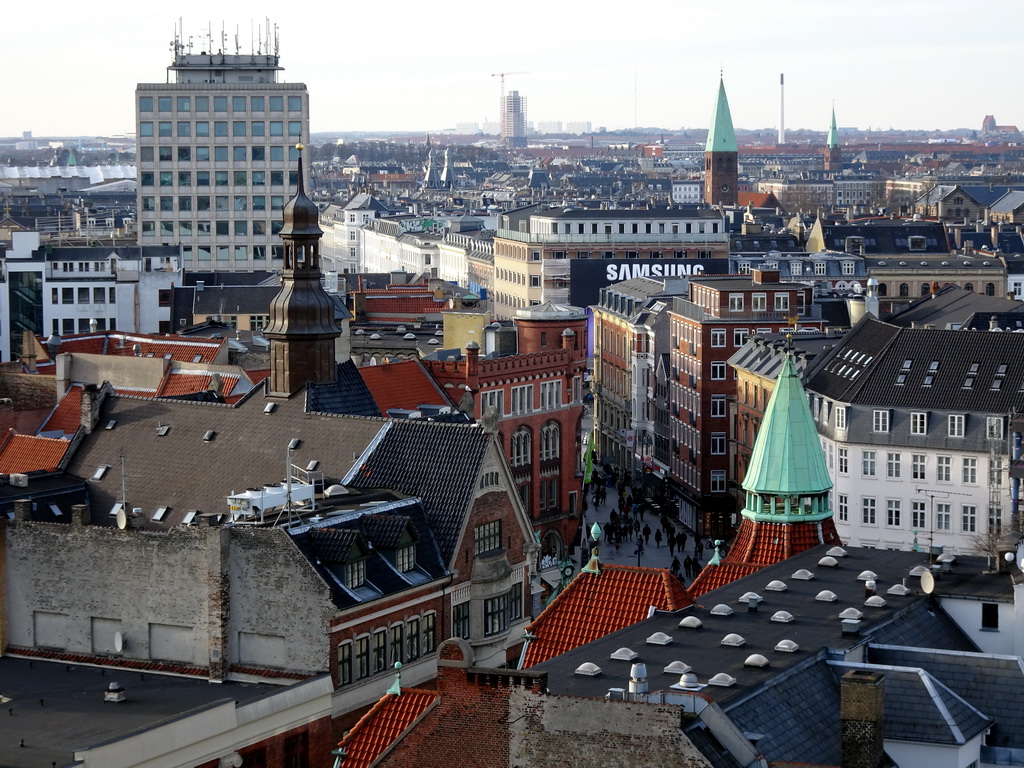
point(90, 407)
point(862, 718)
point(472, 361)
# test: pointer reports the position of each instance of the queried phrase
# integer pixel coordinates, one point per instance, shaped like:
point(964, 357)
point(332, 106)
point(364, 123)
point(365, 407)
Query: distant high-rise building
point(513, 121)
point(216, 156)
point(549, 126)
point(577, 126)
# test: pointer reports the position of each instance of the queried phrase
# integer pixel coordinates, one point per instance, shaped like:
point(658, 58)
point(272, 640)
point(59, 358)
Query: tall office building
point(216, 156)
point(513, 121)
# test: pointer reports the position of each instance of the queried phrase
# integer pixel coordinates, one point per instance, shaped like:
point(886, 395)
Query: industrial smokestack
point(782, 109)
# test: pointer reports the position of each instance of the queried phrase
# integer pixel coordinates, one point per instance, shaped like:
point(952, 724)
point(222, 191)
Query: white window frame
point(880, 422)
point(718, 370)
point(919, 423)
point(943, 469)
point(782, 302)
point(522, 399)
point(868, 463)
point(955, 425)
point(718, 337)
point(841, 418)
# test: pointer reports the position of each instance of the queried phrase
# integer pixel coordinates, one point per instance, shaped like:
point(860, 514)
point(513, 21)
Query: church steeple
point(302, 328)
point(833, 156)
point(787, 480)
point(721, 171)
point(786, 488)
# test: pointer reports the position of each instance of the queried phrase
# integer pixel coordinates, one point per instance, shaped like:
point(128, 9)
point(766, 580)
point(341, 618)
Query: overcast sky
point(413, 65)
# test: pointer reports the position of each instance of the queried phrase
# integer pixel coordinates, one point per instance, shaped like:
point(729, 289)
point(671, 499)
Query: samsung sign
point(588, 276)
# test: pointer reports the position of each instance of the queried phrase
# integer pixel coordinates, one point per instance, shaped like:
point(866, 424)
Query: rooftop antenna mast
point(124, 487)
point(238, 47)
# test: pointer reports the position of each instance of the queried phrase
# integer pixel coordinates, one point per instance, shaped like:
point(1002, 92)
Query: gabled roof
point(185, 472)
point(347, 394)
point(66, 416)
point(787, 458)
point(594, 605)
point(721, 135)
point(384, 723)
point(991, 683)
point(405, 385)
point(951, 307)
point(870, 366)
point(181, 349)
point(29, 453)
point(444, 474)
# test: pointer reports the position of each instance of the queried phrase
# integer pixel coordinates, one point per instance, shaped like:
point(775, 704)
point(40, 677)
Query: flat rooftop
point(56, 708)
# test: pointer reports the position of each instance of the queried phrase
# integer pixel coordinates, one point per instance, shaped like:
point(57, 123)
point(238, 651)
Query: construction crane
point(502, 76)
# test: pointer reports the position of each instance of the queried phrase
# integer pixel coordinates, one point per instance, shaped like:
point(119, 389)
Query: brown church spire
point(302, 328)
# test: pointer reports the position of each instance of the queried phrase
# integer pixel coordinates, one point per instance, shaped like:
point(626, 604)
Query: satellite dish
point(122, 519)
point(927, 582)
point(118, 642)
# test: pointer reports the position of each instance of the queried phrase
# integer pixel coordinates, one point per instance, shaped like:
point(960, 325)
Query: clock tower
point(721, 167)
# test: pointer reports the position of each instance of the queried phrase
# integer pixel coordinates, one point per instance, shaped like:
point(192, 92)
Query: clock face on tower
point(725, 187)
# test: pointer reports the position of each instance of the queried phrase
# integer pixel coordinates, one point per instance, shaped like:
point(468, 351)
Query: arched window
point(924, 289)
point(550, 438)
point(904, 289)
point(521, 447)
point(969, 286)
point(883, 289)
point(990, 289)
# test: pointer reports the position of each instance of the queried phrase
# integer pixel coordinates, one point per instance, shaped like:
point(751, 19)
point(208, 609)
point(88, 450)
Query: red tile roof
point(592, 606)
point(181, 348)
point(67, 414)
point(758, 544)
point(28, 453)
point(383, 725)
point(378, 306)
point(402, 385)
point(180, 383)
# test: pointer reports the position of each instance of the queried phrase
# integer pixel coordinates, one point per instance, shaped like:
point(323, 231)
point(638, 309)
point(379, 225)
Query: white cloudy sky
point(415, 65)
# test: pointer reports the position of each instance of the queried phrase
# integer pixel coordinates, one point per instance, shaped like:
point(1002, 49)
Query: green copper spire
point(787, 480)
point(833, 133)
point(721, 136)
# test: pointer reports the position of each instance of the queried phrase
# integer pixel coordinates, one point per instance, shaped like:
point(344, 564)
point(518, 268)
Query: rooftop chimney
point(861, 718)
point(472, 360)
point(90, 407)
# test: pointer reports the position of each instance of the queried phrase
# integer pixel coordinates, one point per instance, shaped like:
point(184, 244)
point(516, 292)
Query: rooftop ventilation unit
point(867, 576)
point(733, 640)
point(721, 610)
point(782, 616)
point(776, 586)
point(691, 622)
point(756, 660)
point(723, 680)
point(802, 575)
point(826, 596)
point(828, 562)
point(624, 654)
point(659, 638)
point(677, 668)
point(875, 601)
point(787, 646)
point(588, 669)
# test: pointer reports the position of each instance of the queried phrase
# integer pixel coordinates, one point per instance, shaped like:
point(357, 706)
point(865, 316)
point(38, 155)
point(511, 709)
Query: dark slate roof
point(228, 278)
point(385, 531)
point(991, 683)
point(1008, 321)
point(866, 365)
point(184, 472)
point(951, 307)
point(332, 545)
point(923, 626)
point(797, 713)
point(234, 299)
point(328, 544)
point(681, 211)
point(920, 708)
point(444, 476)
point(348, 394)
point(886, 236)
point(816, 626)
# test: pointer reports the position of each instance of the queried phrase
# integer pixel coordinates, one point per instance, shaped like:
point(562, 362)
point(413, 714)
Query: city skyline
point(400, 74)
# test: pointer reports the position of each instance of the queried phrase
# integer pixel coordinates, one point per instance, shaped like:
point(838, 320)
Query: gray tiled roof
point(347, 395)
point(991, 683)
point(919, 707)
point(953, 306)
point(184, 472)
point(864, 368)
point(444, 474)
point(923, 627)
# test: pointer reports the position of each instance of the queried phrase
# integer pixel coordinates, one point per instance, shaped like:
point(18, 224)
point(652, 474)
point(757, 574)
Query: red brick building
point(536, 396)
point(706, 330)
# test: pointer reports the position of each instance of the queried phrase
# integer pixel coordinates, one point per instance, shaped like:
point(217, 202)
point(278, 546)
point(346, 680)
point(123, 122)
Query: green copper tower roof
point(833, 133)
point(787, 480)
point(721, 136)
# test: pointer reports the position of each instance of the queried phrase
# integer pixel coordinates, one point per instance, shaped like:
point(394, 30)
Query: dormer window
point(917, 243)
point(355, 574)
point(405, 558)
